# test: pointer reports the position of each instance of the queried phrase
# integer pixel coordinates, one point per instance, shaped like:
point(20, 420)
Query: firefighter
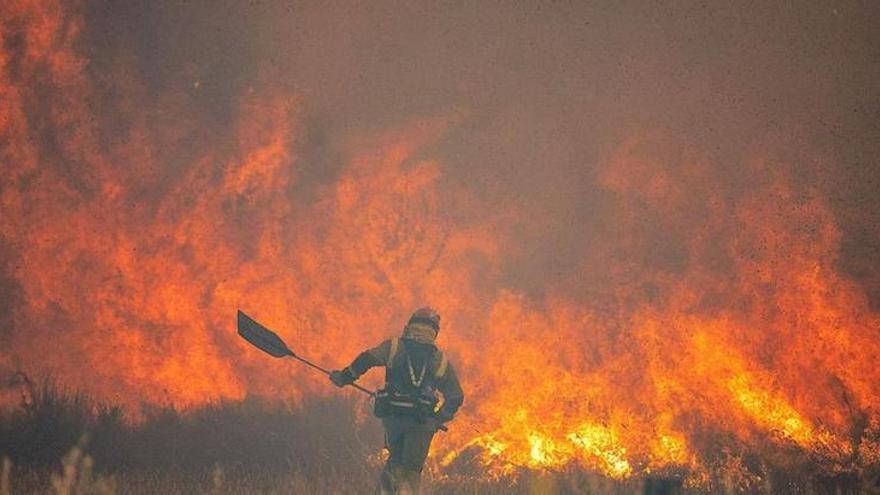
point(421, 393)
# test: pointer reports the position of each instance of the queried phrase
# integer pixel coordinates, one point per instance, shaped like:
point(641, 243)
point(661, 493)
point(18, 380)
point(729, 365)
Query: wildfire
point(129, 257)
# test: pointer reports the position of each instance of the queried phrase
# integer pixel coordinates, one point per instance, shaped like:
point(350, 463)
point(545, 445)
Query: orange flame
point(128, 260)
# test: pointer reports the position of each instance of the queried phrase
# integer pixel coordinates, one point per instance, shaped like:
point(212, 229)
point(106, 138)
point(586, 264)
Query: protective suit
point(421, 393)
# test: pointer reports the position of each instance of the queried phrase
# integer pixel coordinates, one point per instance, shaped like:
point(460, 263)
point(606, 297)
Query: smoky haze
point(544, 93)
point(590, 187)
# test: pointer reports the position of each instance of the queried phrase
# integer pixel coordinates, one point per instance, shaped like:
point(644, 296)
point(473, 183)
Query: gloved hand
point(340, 378)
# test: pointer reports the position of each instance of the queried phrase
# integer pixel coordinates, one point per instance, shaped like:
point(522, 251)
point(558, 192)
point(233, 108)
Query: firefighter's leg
point(390, 478)
point(416, 443)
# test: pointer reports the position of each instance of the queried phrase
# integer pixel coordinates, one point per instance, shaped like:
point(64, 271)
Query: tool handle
point(327, 372)
point(362, 389)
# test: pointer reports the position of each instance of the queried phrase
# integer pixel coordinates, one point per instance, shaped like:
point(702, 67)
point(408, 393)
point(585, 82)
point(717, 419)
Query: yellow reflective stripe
point(441, 370)
point(392, 351)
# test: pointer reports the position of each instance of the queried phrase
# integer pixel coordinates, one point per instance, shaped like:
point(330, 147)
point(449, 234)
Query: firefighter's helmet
point(426, 315)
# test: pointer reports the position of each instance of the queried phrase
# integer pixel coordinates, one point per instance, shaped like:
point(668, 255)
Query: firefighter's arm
point(365, 360)
point(453, 396)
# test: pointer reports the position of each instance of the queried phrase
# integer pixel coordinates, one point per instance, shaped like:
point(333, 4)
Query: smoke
point(549, 92)
point(615, 192)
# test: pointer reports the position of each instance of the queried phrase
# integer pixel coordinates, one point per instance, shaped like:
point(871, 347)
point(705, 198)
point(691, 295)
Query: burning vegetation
point(705, 326)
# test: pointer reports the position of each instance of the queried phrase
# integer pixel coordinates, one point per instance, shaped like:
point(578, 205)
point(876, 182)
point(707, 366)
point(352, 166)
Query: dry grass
point(76, 477)
point(62, 443)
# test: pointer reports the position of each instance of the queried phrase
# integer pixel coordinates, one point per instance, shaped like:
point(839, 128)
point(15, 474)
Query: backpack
point(409, 391)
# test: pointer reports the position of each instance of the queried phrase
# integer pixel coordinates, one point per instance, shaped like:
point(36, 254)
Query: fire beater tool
point(269, 342)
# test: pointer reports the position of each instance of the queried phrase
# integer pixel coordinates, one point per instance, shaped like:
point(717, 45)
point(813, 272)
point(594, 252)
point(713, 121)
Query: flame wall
point(660, 271)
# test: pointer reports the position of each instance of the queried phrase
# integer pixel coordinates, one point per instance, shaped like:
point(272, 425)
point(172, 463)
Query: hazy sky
point(547, 90)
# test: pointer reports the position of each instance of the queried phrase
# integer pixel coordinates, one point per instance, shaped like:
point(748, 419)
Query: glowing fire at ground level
point(702, 325)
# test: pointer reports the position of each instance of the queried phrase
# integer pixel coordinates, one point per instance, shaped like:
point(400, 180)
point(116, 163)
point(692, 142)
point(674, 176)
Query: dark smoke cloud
point(548, 91)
